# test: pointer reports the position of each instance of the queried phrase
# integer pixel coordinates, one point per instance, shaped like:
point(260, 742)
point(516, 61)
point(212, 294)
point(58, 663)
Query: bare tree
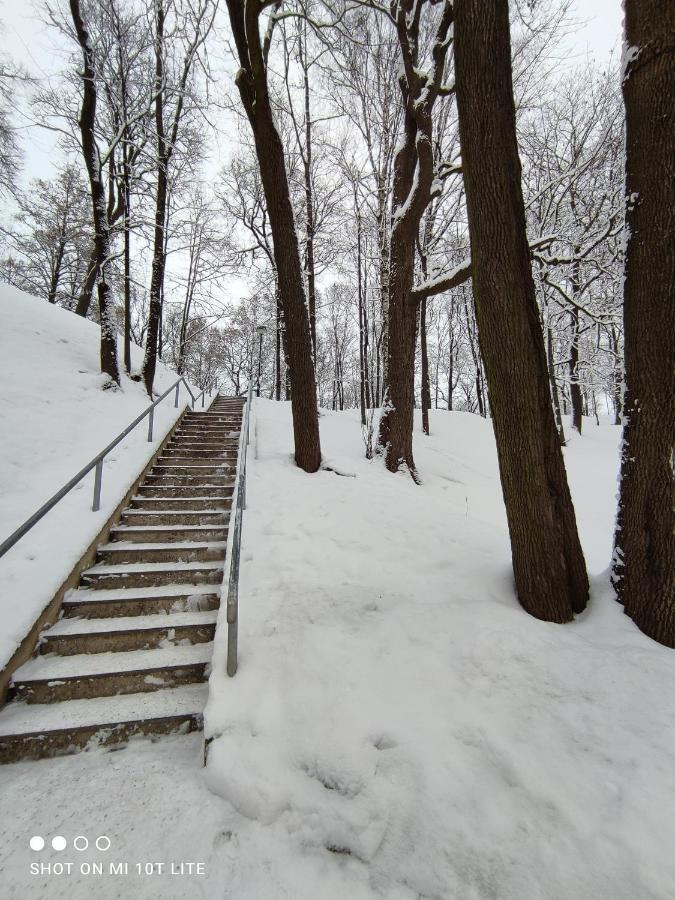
point(172, 99)
point(95, 163)
point(251, 80)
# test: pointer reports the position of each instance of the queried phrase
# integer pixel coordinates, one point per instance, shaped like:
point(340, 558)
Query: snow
point(399, 727)
point(55, 417)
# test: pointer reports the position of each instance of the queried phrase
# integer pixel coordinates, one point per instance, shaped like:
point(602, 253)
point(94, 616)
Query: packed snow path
point(132, 652)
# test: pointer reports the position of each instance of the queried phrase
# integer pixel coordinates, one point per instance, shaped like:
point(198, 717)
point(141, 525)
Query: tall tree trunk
point(554, 387)
point(309, 197)
point(644, 559)
point(576, 396)
point(426, 389)
point(362, 330)
point(158, 259)
point(101, 249)
point(548, 563)
point(251, 81)
point(277, 349)
point(126, 175)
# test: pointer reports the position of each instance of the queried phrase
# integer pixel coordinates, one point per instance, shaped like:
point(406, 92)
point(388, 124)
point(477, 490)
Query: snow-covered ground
point(54, 418)
point(399, 727)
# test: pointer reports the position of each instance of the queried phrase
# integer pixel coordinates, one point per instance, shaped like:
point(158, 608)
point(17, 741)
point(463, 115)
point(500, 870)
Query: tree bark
point(158, 257)
point(548, 563)
point(426, 389)
point(101, 250)
point(576, 396)
point(412, 192)
point(644, 559)
point(251, 80)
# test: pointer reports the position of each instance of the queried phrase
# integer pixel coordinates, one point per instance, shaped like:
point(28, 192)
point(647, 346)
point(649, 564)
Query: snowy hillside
point(55, 418)
point(399, 727)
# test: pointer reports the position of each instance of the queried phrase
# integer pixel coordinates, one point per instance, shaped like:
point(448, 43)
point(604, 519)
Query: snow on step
point(132, 529)
point(54, 668)
point(30, 718)
point(175, 545)
point(79, 626)
point(107, 595)
point(132, 568)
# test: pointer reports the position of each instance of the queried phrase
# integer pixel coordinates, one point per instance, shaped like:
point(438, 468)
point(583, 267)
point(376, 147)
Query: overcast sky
point(33, 44)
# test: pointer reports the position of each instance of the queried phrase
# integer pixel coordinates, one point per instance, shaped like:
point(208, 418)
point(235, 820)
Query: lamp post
point(260, 331)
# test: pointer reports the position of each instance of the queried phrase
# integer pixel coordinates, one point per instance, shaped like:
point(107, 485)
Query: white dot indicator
point(59, 843)
point(103, 842)
point(37, 842)
point(80, 842)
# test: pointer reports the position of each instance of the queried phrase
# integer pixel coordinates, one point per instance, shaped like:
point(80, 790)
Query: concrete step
point(174, 518)
point(169, 599)
point(162, 502)
point(194, 453)
point(191, 440)
point(36, 731)
point(72, 636)
point(208, 467)
point(167, 533)
point(51, 679)
point(197, 479)
point(212, 422)
point(136, 552)
point(182, 490)
point(133, 575)
point(192, 466)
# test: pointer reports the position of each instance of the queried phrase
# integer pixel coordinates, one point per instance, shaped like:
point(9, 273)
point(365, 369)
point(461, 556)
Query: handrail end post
point(98, 477)
point(232, 649)
point(177, 390)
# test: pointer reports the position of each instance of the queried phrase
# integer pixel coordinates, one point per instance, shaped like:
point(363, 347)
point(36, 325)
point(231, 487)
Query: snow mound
point(55, 417)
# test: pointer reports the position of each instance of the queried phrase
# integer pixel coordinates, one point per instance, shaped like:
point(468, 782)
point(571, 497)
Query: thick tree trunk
point(396, 424)
point(644, 567)
point(252, 83)
point(548, 564)
point(101, 250)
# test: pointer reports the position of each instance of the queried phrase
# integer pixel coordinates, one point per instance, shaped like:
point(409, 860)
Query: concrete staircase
point(132, 651)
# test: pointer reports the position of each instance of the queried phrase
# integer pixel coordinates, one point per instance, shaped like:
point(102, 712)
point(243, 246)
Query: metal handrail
point(239, 502)
point(96, 463)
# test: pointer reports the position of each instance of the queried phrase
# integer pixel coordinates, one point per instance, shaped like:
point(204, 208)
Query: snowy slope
point(399, 727)
point(54, 417)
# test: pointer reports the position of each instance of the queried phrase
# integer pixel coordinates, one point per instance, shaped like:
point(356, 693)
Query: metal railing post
point(98, 477)
point(177, 389)
point(151, 419)
point(203, 398)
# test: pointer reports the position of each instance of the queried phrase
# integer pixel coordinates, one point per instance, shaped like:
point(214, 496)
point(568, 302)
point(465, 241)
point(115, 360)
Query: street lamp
point(260, 331)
